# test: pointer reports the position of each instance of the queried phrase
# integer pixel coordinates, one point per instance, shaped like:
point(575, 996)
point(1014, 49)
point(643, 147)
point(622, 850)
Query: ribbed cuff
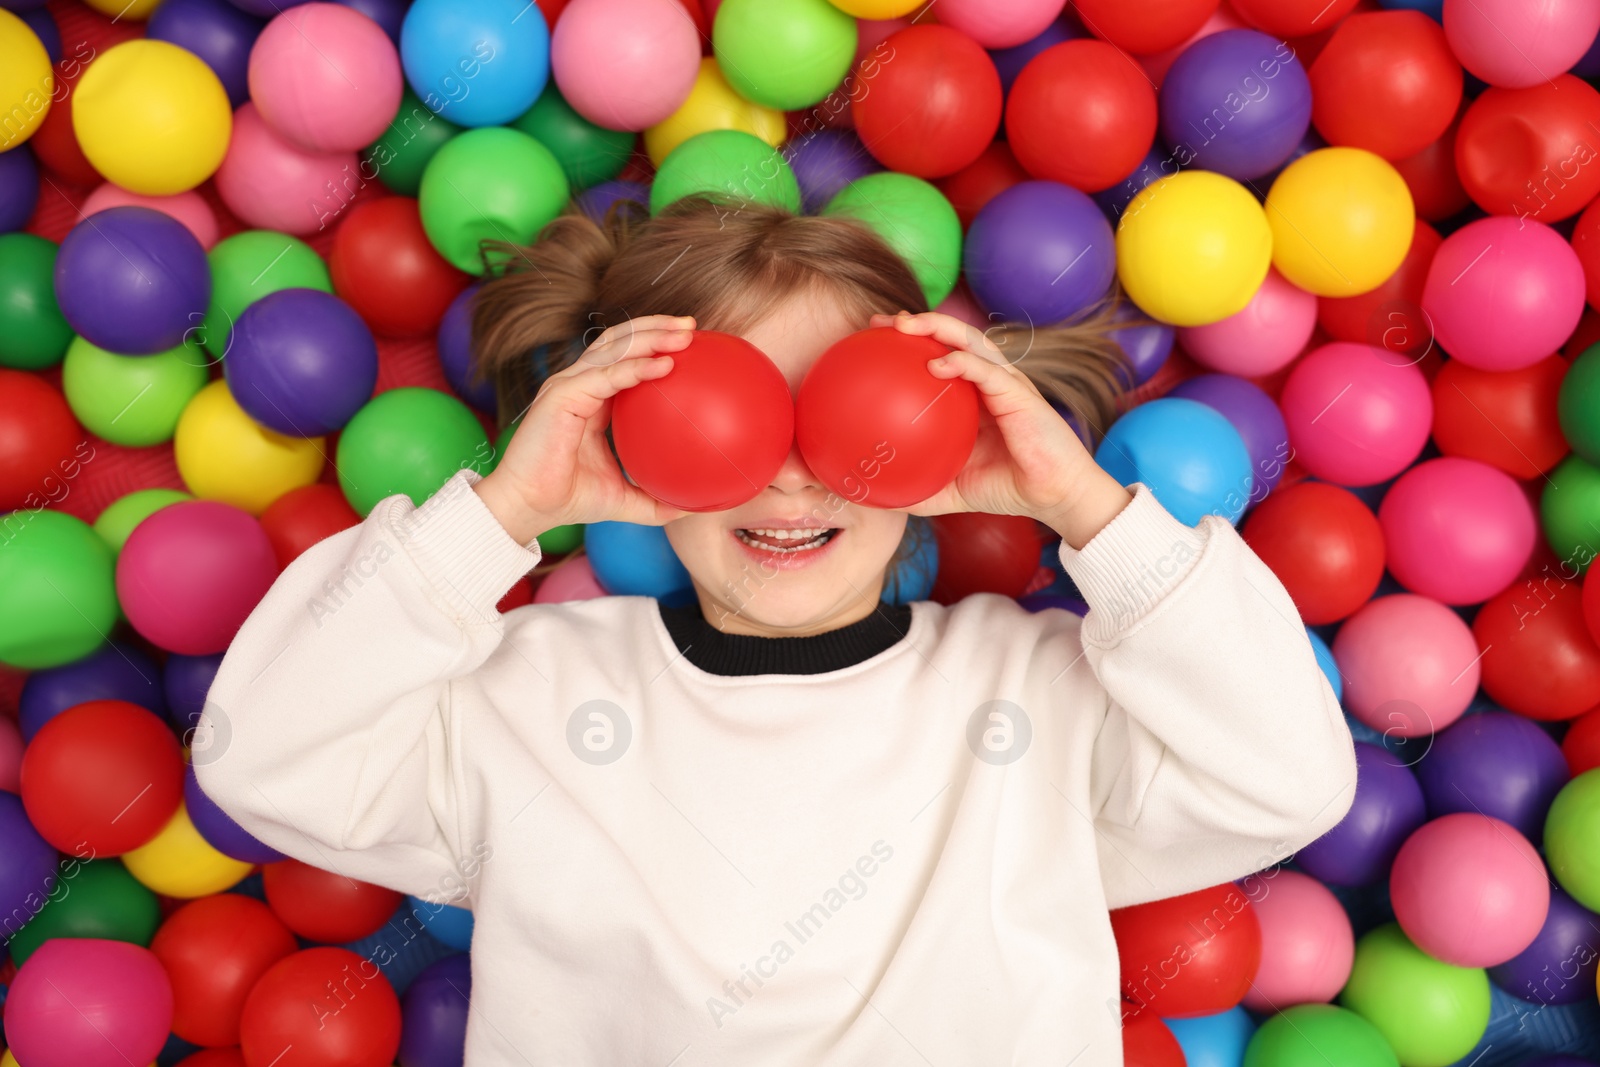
point(1134, 561)
point(459, 544)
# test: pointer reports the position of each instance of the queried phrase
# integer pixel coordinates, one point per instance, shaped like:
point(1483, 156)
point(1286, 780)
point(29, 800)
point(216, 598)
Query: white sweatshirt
point(906, 861)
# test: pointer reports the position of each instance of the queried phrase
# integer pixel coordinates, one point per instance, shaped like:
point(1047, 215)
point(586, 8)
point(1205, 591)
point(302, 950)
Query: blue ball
point(631, 559)
point(912, 578)
point(1040, 252)
point(448, 923)
point(1213, 1040)
point(1188, 454)
point(477, 64)
point(301, 362)
point(1236, 102)
point(1326, 661)
point(115, 671)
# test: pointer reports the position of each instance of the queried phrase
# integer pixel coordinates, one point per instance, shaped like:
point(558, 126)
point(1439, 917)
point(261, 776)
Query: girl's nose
point(795, 476)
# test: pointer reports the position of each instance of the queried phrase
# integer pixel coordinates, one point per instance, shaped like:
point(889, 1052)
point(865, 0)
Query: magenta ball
point(1356, 415)
point(1503, 293)
point(273, 184)
point(190, 574)
point(1410, 665)
point(1519, 43)
point(1264, 337)
point(572, 579)
point(1469, 889)
point(624, 64)
point(1307, 943)
point(1456, 530)
point(325, 77)
point(88, 1002)
point(189, 208)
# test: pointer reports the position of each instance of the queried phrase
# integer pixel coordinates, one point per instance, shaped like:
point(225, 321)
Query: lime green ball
point(1579, 405)
point(726, 165)
point(491, 183)
point(33, 334)
point(409, 441)
point(1432, 1013)
point(91, 898)
point(588, 154)
point(58, 595)
point(402, 153)
point(1569, 511)
point(120, 517)
point(133, 401)
point(915, 219)
point(1315, 1035)
point(1572, 838)
point(785, 54)
point(248, 266)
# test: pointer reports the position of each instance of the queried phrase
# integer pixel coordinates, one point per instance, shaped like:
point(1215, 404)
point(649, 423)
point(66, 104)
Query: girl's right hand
point(558, 468)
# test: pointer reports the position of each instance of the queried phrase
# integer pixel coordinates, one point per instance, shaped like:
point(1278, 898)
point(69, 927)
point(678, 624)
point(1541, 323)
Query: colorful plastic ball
point(825, 161)
point(361, 1030)
point(19, 188)
point(712, 104)
point(877, 9)
point(1507, 419)
point(408, 440)
point(914, 219)
point(215, 826)
point(214, 950)
point(1585, 241)
point(784, 54)
point(1251, 412)
point(1355, 417)
point(454, 343)
point(1147, 346)
point(1457, 530)
point(1591, 602)
point(1217, 927)
point(935, 107)
point(1307, 944)
point(1410, 665)
point(1307, 1035)
point(132, 280)
point(218, 32)
point(1495, 764)
point(1324, 545)
point(1039, 252)
point(11, 745)
point(185, 681)
point(389, 14)
point(189, 208)
point(1428, 1010)
point(28, 84)
point(1569, 836)
point(33, 333)
point(1216, 1040)
point(1263, 337)
point(401, 153)
point(326, 77)
point(1236, 102)
point(587, 153)
point(152, 117)
point(28, 876)
point(1526, 152)
point(88, 1002)
point(1539, 658)
point(40, 441)
point(1081, 114)
point(1389, 317)
point(134, 401)
point(446, 923)
point(999, 25)
point(625, 64)
point(1581, 745)
point(478, 65)
point(246, 267)
point(116, 671)
point(1146, 1039)
point(1515, 43)
point(225, 455)
point(725, 164)
point(1189, 455)
point(301, 362)
point(434, 1011)
point(1560, 966)
point(1193, 248)
point(1569, 510)
point(321, 905)
point(125, 513)
point(1341, 221)
point(573, 579)
point(1386, 81)
point(1325, 660)
point(178, 862)
point(273, 184)
point(1147, 27)
point(1579, 405)
point(979, 553)
point(1431, 176)
point(100, 899)
point(629, 559)
point(493, 183)
point(301, 517)
point(1293, 18)
point(57, 594)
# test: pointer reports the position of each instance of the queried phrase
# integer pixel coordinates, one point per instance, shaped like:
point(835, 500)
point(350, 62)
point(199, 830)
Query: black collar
point(716, 652)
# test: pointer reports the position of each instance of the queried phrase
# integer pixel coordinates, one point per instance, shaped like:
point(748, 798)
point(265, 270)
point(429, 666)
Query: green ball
point(91, 898)
point(1315, 1035)
point(725, 165)
point(58, 594)
point(785, 54)
point(33, 335)
point(491, 183)
point(120, 517)
point(1572, 838)
point(410, 441)
point(1432, 1013)
point(132, 401)
point(588, 154)
point(915, 219)
point(1579, 405)
point(1569, 512)
point(248, 266)
point(402, 153)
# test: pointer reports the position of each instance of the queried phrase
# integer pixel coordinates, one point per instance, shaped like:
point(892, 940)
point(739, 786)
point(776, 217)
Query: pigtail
point(1077, 364)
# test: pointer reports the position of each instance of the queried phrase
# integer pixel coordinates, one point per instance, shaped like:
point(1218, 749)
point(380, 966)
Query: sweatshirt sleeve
point(328, 732)
point(1223, 749)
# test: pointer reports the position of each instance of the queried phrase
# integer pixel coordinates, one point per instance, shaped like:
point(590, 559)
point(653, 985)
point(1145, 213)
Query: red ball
point(1586, 242)
point(1293, 18)
point(102, 778)
point(934, 107)
point(38, 436)
point(971, 187)
point(1147, 1041)
point(1188, 955)
point(1543, 135)
point(1145, 27)
point(214, 949)
point(876, 427)
point(301, 517)
point(1539, 658)
point(384, 266)
point(1081, 113)
point(1581, 746)
point(1387, 82)
point(214, 1057)
point(334, 1007)
point(322, 906)
point(1323, 543)
point(1506, 419)
point(981, 553)
point(1389, 317)
point(1431, 176)
point(1591, 602)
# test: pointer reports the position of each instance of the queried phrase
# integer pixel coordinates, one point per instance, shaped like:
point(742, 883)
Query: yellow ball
point(178, 862)
point(152, 117)
point(713, 105)
point(877, 9)
point(27, 81)
point(223, 454)
point(1342, 220)
point(1193, 248)
point(132, 10)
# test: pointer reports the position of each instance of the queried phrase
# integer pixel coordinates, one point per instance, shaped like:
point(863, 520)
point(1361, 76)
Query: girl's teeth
point(784, 541)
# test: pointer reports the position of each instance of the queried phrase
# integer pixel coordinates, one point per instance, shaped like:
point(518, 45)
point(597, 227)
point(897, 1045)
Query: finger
point(1005, 390)
point(639, 325)
point(946, 329)
point(641, 508)
point(632, 346)
point(584, 393)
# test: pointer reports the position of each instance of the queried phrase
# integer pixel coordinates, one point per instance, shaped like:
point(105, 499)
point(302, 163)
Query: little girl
point(793, 823)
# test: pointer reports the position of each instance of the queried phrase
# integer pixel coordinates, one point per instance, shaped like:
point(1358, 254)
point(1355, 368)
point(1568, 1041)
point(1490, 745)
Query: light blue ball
point(481, 63)
point(1326, 662)
point(630, 559)
point(1189, 454)
point(1213, 1040)
point(912, 578)
point(450, 924)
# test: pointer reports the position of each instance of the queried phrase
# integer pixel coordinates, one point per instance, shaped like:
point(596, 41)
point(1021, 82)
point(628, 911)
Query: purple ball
point(1039, 252)
point(218, 827)
point(596, 200)
point(1589, 65)
point(1388, 806)
point(1236, 102)
point(1254, 415)
point(826, 161)
point(1147, 347)
point(186, 681)
point(265, 8)
point(388, 14)
point(132, 280)
point(1560, 966)
point(1558, 1060)
point(433, 1014)
point(1037, 602)
point(27, 866)
point(22, 5)
point(114, 671)
point(1494, 763)
point(455, 352)
point(1158, 163)
point(216, 31)
point(19, 188)
point(301, 361)
point(1311, 142)
point(43, 24)
point(1010, 61)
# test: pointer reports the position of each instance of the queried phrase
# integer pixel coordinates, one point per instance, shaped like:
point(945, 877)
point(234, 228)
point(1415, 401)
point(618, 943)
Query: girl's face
point(826, 569)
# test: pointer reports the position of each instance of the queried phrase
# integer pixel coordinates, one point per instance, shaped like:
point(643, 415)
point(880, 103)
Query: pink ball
point(1456, 530)
point(190, 574)
point(961, 305)
point(272, 184)
point(325, 77)
point(573, 579)
point(1000, 23)
point(1518, 43)
point(625, 64)
point(10, 755)
point(1469, 889)
point(189, 208)
point(1504, 293)
point(1410, 665)
point(1263, 337)
point(1356, 415)
point(88, 1002)
point(1307, 944)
